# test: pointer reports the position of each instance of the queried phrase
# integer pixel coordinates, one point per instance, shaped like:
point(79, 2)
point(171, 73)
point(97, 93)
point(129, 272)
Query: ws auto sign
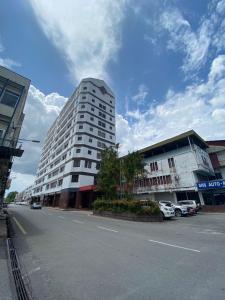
point(213, 184)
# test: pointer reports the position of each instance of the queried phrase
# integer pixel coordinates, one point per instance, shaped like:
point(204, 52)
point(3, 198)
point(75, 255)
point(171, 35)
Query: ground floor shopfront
point(70, 198)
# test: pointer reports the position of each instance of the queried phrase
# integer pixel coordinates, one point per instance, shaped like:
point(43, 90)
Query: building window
point(110, 101)
point(101, 134)
point(76, 163)
point(97, 165)
point(101, 145)
point(110, 127)
point(102, 124)
point(53, 184)
point(91, 128)
point(93, 100)
point(154, 166)
point(171, 162)
point(81, 127)
point(81, 116)
point(91, 118)
point(10, 99)
point(89, 152)
point(93, 91)
point(102, 115)
point(92, 109)
point(78, 150)
point(87, 164)
point(61, 169)
point(82, 106)
point(79, 138)
point(75, 178)
point(110, 137)
point(99, 155)
point(110, 110)
point(90, 140)
point(84, 88)
point(110, 119)
point(84, 97)
point(60, 182)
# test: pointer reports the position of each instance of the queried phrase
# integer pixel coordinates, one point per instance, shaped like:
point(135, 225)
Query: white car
point(167, 212)
point(36, 205)
point(179, 209)
point(190, 204)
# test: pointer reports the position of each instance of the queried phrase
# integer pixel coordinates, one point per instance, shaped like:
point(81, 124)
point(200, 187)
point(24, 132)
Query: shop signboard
point(213, 184)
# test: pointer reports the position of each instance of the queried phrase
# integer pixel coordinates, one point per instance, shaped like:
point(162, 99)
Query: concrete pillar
point(64, 199)
point(78, 200)
point(201, 198)
point(174, 197)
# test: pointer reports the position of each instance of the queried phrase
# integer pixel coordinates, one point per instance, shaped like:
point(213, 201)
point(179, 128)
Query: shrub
point(132, 206)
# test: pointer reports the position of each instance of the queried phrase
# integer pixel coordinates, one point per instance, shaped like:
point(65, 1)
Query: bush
point(132, 206)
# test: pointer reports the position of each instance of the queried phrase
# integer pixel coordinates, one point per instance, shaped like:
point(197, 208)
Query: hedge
point(132, 206)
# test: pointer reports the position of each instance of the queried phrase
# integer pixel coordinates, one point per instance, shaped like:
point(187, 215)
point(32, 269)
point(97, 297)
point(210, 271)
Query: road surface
point(75, 255)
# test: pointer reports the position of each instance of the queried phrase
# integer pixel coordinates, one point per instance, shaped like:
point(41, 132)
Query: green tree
point(11, 197)
point(108, 176)
point(132, 166)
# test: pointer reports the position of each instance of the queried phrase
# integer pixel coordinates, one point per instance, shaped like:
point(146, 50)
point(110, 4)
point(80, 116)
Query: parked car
point(167, 212)
point(190, 204)
point(36, 205)
point(179, 209)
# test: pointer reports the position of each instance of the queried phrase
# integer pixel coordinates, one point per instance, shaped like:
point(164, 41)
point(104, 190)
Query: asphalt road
point(75, 255)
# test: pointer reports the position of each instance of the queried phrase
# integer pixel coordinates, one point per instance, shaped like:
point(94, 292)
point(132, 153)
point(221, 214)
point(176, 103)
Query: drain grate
point(21, 290)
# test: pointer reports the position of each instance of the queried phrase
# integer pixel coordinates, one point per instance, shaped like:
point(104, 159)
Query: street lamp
point(26, 140)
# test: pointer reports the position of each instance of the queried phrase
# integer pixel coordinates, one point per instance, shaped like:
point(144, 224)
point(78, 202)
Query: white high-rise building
point(69, 162)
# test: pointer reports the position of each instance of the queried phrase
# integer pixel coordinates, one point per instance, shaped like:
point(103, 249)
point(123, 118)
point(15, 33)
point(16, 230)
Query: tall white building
point(69, 162)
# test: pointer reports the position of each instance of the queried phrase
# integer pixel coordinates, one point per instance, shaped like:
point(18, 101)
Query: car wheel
point(178, 213)
point(162, 214)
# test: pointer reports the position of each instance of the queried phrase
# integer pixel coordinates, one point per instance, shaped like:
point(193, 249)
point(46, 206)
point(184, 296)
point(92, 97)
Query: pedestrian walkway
point(5, 282)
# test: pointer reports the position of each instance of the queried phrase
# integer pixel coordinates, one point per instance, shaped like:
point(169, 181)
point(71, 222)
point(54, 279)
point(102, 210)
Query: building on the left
point(13, 94)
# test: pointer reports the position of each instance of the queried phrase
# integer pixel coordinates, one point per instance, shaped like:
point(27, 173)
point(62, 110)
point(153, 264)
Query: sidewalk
point(5, 281)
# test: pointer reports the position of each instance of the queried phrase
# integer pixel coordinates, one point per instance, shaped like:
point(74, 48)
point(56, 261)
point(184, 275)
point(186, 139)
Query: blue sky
point(164, 60)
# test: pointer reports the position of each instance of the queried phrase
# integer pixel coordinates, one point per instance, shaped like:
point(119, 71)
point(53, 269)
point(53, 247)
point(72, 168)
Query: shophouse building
point(174, 167)
point(13, 94)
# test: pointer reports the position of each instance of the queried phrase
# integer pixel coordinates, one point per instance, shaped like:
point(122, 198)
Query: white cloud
point(40, 112)
point(142, 93)
point(9, 63)
point(200, 107)
point(87, 33)
point(196, 44)
point(20, 181)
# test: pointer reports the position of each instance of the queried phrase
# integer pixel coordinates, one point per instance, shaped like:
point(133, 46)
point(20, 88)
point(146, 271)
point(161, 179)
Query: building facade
point(174, 167)
point(214, 190)
point(69, 162)
point(13, 94)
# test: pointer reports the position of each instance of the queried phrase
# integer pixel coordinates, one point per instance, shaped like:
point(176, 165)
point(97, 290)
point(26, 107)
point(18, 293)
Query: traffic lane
point(194, 232)
point(178, 232)
point(128, 255)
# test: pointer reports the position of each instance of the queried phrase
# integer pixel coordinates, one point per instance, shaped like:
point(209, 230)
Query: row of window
point(93, 90)
point(154, 165)
point(87, 163)
point(154, 181)
point(54, 184)
point(100, 133)
point(101, 114)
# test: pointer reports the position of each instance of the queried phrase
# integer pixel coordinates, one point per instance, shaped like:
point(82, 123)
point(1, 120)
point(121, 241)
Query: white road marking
point(20, 226)
point(78, 222)
point(31, 272)
point(108, 229)
point(61, 217)
point(175, 246)
point(211, 232)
